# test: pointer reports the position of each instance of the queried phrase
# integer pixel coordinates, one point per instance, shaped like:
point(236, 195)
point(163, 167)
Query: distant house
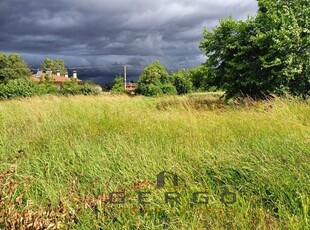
point(131, 86)
point(57, 78)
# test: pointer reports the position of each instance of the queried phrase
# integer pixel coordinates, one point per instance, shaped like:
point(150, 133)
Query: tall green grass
point(117, 143)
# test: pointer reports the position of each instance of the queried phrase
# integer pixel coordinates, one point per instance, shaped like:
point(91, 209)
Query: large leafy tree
point(12, 66)
point(278, 36)
point(232, 58)
point(154, 80)
point(54, 65)
point(300, 83)
point(262, 55)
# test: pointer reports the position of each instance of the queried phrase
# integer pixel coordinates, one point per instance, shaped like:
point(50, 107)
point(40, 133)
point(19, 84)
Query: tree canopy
point(262, 55)
point(54, 65)
point(12, 66)
point(155, 80)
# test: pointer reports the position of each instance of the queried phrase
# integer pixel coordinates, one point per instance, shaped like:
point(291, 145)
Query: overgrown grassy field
point(62, 156)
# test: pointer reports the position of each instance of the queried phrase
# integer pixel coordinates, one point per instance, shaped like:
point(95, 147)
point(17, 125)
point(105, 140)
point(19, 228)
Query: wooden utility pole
point(125, 76)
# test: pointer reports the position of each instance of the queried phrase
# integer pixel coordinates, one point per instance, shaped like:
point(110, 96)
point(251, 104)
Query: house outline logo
point(162, 178)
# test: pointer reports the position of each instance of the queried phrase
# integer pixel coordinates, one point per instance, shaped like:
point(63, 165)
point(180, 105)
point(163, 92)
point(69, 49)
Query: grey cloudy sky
point(101, 32)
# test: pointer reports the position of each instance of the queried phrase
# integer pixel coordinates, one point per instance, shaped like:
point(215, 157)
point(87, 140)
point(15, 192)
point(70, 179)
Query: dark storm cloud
point(92, 32)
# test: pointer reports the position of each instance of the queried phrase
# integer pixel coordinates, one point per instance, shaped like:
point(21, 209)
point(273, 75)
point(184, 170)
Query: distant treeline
point(155, 81)
point(15, 79)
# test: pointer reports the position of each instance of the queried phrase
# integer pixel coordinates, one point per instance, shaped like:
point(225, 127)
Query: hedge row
point(25, 88)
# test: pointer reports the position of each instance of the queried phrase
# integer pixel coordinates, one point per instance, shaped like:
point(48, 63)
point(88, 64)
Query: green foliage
point(12, 67)
point(150, 89)
point(54, 65)
point(262, 55)
point(300, 10)
point(89, 88)
point(154, 81)
point(278, 37)
point(74, 88)
point(47, 86)
point(70, 87)
point(25, 88)
point(15, 81)
point(155, 73)
point(19, 88)
point(232, 62)
point(182, 81)
point(198, 77)
point(118, 85)
point(47, 64)
point(169, 89)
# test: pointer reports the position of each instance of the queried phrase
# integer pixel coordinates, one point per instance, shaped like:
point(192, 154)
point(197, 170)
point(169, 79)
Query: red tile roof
point(131, 86)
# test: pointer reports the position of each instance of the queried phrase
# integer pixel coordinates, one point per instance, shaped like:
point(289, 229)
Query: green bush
point(150, 90)
point(169, 89)
point(70, 88)
point(74, 88)
point(48, 87)
point(25, 88)
point(19, 88)
point(182, 81)
point(89, 88)
point(3, 93)
point(118, 85)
